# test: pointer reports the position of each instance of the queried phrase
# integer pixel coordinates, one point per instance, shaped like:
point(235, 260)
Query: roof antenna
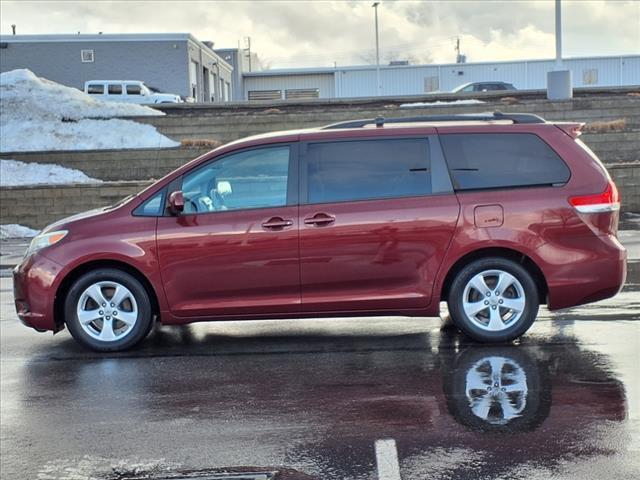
point(379, 121)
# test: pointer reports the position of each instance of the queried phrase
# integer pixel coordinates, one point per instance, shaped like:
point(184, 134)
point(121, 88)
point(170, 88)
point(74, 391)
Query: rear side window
point(367, 169)
point(498, 160)
point(115, 89)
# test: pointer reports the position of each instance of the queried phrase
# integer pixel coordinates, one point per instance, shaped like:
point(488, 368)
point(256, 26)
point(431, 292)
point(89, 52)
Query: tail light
point(607, 201)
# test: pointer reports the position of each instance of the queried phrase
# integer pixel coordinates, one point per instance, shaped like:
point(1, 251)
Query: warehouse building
point(173, 63)
point(360, 81)
point(181, 64)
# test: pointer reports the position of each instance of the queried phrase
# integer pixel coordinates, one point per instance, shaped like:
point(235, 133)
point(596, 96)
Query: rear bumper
point(583, 270)
point(35, 283)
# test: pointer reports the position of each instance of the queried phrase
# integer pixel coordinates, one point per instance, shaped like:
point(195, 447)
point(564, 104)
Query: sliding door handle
point(320, 219)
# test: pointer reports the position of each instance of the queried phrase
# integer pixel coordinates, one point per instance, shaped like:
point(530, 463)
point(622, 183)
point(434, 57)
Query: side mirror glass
point(176, 202)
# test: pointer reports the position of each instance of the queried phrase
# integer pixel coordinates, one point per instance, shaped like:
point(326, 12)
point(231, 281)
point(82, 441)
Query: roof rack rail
point(465, 117)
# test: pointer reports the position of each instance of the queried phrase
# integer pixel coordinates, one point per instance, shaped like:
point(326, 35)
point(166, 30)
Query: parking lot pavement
point(330, 399)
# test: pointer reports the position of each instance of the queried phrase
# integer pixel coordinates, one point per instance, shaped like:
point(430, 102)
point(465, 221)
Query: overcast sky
point(319, 33)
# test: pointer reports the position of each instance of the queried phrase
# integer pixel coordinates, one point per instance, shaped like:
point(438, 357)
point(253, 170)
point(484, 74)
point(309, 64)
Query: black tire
point(134, 335)
point(519, 326)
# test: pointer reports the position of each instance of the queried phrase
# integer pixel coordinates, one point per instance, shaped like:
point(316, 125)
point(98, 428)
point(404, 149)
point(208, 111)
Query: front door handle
point(277, 223)
point(320, 219)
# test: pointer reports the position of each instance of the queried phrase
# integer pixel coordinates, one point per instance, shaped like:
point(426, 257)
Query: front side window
point(498, 160)
point(250, 179)
point(367, 169)
point(133, 89)
point(153, 207)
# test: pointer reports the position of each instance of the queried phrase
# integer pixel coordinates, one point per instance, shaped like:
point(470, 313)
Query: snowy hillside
point(14, 173)
point(37, 114)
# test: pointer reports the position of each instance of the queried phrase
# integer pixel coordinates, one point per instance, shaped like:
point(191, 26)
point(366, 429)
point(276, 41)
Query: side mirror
point(176, 202)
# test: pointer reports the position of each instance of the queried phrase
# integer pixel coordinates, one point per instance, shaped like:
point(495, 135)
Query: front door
point(234, 250)
point(374, 230)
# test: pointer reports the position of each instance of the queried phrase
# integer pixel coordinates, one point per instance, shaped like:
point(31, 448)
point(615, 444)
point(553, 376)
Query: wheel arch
point(503, 252)
point(79, 270)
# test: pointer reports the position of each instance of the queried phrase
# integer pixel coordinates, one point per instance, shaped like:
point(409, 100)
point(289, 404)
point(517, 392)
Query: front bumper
point(35, 282)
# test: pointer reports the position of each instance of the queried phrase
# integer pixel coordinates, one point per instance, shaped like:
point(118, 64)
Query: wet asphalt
point(309, 399)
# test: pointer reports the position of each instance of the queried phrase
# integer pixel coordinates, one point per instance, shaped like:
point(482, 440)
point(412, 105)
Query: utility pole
point(558, 35)
point(459, 57)
point(248, 50)
point(378, 84)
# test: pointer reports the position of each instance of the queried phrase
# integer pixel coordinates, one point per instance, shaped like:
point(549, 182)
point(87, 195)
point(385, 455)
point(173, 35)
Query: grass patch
point(602, 127)
point(194, 142)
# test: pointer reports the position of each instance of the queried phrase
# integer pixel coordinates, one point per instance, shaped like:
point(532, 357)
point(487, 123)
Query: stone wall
point(225, 123)
point(115, 165)
point(627, 179)
point(37, 206)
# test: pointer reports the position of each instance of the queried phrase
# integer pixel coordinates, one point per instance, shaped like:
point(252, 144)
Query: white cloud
point(310, 33)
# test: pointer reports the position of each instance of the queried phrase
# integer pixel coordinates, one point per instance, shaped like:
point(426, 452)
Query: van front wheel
point(108, 310)
point(493, 300)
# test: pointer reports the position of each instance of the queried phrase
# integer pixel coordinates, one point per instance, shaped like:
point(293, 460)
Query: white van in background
point(128, 91)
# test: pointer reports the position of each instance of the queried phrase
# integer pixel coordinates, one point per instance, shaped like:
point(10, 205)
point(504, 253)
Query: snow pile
point(14, 173)
point(13, 230)
point(37, 114)
point(439, 103)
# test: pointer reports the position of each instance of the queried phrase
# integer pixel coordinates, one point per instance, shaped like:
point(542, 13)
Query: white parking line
point(387, 459)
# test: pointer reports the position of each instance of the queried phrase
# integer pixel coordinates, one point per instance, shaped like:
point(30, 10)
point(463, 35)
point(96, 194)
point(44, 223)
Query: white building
point(360, 81)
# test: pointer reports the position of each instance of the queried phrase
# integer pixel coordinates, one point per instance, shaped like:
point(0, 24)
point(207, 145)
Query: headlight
point(45, 240)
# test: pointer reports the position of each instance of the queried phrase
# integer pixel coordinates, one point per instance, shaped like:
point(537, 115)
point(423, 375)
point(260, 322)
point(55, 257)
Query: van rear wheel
point(108, 310)
point(493, 300)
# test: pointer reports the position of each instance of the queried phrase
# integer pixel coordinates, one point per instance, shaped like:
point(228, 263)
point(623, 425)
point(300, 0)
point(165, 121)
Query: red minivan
point(493, 213)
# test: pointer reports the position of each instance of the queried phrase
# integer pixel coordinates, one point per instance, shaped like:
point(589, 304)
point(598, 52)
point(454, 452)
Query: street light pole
point(378, 84)
point(559, 85)
point(558, 35)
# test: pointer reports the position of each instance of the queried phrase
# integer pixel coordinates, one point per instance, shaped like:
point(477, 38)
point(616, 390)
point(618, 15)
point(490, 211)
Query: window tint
point(133, 89)
point(501, 160)
point(115, 89)
point(95, 89)
point(368, 169)
point(251, 179)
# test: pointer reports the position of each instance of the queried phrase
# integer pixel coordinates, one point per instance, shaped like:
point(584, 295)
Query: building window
point(590, 76)
point(431, 84)
point(302, 93)
point(265, 94)
point(86, 56)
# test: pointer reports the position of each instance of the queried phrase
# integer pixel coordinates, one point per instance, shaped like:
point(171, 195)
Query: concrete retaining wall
point(226, 123)
point(38, 206)
point(115, 165)
point(627, 178)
